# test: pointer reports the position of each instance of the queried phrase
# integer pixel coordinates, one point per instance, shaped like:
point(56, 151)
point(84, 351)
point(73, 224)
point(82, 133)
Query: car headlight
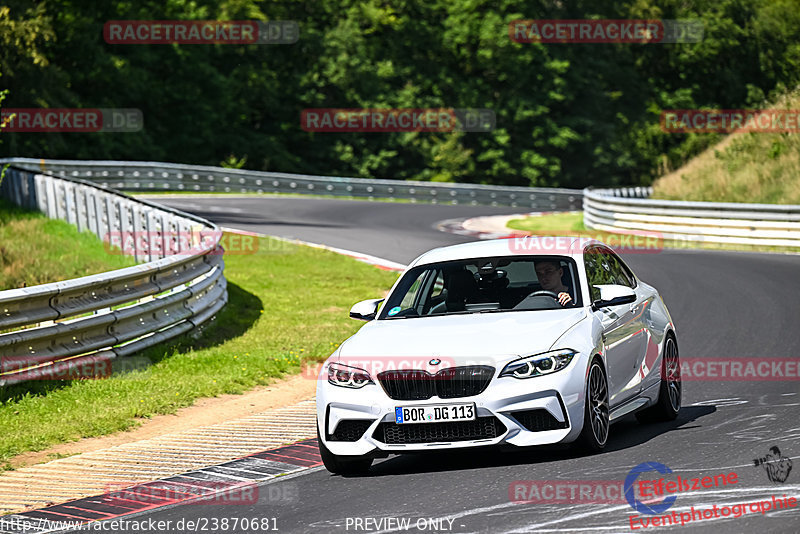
point(348, 377)
point(539, 364)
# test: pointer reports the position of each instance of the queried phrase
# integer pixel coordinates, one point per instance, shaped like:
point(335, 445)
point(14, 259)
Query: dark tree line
point(567, 114)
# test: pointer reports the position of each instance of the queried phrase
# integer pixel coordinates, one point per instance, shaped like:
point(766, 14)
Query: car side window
point(598, 270)
point(627, 270)
point(620, 272)
point(435, 291)
point(410, 298)
point(438, 284)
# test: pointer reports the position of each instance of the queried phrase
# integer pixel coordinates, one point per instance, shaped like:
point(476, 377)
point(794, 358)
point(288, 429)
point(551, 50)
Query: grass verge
point(744, 167)
point(37, 250)
point(572, 224)
point(288, 304)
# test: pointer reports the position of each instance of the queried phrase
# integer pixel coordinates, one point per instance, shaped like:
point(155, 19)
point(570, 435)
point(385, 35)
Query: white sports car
point(524, 341)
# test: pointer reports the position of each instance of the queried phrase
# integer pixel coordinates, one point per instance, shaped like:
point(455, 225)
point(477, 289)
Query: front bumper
point(365, 415)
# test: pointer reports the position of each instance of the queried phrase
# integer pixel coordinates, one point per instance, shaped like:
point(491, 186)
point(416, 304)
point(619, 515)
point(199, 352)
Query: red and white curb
point(233, 482)
point(204, 485)
point(488, 227)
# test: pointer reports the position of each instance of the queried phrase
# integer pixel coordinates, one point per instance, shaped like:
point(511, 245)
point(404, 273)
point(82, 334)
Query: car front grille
point(463, 381)
point(480, 428)
point(538, 420)
point(408, 385)
point(350, 430)
point(451, 383)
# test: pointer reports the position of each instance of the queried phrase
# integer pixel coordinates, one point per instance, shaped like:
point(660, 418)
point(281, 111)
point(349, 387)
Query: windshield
point(481, 285)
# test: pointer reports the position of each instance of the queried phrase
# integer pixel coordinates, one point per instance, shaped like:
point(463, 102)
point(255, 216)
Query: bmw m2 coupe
point(525, 341)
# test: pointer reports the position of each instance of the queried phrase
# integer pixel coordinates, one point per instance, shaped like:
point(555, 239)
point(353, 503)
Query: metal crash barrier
point(54, 330)
point(147, 176)
point(627, 210)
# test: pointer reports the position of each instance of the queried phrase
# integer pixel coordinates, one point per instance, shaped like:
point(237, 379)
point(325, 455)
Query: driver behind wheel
point(549, 273)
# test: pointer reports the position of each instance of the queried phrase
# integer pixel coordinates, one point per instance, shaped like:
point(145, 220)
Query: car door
point(649, 367)
point(640, 336)
point(624, 339)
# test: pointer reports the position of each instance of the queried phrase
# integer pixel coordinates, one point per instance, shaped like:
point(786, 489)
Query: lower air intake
point(538, 420)
point(350, 430)
point(480, 428)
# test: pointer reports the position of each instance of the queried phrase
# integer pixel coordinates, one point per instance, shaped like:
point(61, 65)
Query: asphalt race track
point(724, 304)
point(395, 231)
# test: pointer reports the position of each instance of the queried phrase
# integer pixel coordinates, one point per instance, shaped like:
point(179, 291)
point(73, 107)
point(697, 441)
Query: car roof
point(521, 245)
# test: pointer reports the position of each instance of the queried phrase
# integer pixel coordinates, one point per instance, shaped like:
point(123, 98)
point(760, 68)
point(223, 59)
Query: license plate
point(434, 413)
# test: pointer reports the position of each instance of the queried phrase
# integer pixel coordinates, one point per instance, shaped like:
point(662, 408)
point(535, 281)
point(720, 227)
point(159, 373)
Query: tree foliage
point(567, 114)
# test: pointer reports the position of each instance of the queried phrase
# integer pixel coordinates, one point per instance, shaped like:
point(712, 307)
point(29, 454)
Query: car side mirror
point(613, 295)
point(366, 310)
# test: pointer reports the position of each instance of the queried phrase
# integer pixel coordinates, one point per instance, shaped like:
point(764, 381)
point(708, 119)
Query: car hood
point(489, 338)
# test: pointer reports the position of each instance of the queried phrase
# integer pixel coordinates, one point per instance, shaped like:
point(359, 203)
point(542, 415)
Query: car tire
point(596, 422)
point(342, 465)
point(670, 390)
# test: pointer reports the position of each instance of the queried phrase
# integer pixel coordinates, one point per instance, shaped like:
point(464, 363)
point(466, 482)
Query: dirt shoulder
point(204, 412)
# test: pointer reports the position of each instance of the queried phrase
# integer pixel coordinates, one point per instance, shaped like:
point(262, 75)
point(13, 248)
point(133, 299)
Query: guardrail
point(619, 210)
point(57, 329)
point(154, 176)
